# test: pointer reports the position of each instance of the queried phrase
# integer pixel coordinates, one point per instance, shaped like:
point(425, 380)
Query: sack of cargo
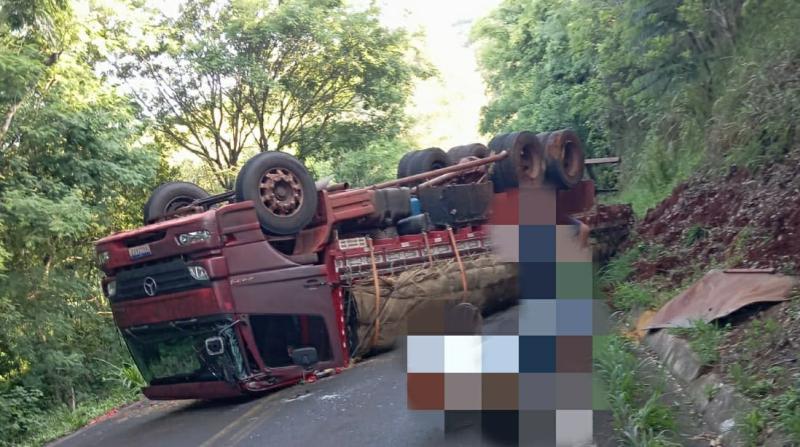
point(491, 286)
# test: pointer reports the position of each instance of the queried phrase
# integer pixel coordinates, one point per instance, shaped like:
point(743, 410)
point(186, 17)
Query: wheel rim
point(530, 162)
point(281, 192)
point(177, 203)
point(570, 157)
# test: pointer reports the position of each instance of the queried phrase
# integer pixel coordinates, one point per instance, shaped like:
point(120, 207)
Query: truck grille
point(155, 279)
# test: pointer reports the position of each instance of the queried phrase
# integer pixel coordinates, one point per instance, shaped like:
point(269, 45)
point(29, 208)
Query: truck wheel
point(525, 161)
point(170, 196)
point(426, 160)
point(281, 189)
point(455, 154)
point(565, 158)
point(543, 136)
point(402, 165)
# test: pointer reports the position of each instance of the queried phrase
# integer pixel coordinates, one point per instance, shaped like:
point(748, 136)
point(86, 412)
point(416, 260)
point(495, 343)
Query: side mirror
point(215, 346)
point(305, 357)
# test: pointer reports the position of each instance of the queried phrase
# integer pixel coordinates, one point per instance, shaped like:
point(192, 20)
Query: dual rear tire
point(424, 160)
point(534, 158)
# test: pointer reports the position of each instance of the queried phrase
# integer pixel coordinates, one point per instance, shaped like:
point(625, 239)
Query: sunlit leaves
point(225, 78)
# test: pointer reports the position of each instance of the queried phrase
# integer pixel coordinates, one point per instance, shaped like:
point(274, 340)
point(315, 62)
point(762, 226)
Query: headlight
point(193, 237)
point(103, 257)
point(111, 288)
point(198, 273)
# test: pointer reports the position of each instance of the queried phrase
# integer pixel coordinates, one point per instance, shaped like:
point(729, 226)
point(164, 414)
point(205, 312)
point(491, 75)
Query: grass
point(762, 334)
point(620, 268)
point(62, 421)
point(44, 426)
point(640, 419)
point(775, 391)
point(705, 339)
point(694, 234)
point(627, 295)
point(747, 238)
point(751, 425)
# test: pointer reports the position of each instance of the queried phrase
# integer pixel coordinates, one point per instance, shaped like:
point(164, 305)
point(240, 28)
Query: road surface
point(365, 405)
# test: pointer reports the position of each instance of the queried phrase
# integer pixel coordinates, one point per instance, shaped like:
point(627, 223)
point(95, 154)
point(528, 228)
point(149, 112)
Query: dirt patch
point(739, 219)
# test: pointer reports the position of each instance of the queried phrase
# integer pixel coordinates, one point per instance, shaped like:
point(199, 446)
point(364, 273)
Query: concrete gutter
point(719, 403)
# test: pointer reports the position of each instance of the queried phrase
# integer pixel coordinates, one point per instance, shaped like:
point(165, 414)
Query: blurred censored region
point(523, 375)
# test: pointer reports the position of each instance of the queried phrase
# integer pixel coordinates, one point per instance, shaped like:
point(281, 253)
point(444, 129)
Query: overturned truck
point(283, 278)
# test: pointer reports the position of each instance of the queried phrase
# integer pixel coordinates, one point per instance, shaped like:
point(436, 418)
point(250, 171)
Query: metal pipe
point(437, 172)
point(600, 161)
point(437, 180)
point(337, 187)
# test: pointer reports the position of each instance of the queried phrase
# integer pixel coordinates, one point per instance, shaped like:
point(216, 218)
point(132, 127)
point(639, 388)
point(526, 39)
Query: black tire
point(402, 165)
point(525, 160)
point(564, 156)
point(286, 206)
point(170, 196)
point(543, 136)
point(455, 154)
point(426, 160)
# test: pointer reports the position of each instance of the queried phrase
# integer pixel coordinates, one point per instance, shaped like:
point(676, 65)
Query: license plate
point(140, 251)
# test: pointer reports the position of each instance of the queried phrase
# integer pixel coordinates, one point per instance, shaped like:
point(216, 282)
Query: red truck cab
point(213, 278)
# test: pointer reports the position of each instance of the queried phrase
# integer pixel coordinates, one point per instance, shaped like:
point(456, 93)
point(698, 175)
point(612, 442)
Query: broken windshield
point(176, 352)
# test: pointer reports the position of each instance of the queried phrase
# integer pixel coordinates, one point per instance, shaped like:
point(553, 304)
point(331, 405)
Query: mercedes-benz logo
point(150, 286)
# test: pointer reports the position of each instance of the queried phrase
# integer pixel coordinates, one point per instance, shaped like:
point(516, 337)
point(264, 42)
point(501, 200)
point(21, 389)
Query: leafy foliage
point(373, 164)
point(226, 79)
point(672, 86)
point(72, 169)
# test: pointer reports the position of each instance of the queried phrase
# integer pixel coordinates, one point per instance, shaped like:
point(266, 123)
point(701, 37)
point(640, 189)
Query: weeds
point(126, 375)
point(749, 384)
point(761, 335)
point(63, 420)
point(618, 270)
point(787, 409)
point(752, 425)
point(710, 391)
point(628, 296)
point(639, 417)
point(705, 339)
point(694, 234)
point(758, 384)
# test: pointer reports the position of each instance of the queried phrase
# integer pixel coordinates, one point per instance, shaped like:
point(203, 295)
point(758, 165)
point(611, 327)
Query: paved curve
point(365, 405)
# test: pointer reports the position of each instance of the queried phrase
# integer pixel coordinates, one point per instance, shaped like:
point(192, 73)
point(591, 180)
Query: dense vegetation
point(671, 85)
point(95, 96)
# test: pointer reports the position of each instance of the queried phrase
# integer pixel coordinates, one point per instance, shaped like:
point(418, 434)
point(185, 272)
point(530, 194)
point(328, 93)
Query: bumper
point(195, 390)
point(176, 306)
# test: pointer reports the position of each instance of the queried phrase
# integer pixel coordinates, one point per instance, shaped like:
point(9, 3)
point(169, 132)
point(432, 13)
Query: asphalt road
point(365, 405)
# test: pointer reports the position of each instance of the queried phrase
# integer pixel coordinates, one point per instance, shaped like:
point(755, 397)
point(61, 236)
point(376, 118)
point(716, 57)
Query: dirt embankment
point(738, 219)
point(741, 219)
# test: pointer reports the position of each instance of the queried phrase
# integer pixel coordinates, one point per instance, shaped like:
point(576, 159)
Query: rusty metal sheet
point(720, 293)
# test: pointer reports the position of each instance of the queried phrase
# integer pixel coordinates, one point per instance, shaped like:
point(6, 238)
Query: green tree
point(671, 85)
point(373, 164)
point(228, 78)
point(72, 170)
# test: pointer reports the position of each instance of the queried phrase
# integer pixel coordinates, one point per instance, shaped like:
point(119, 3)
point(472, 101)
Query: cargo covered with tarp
point(490, 285)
